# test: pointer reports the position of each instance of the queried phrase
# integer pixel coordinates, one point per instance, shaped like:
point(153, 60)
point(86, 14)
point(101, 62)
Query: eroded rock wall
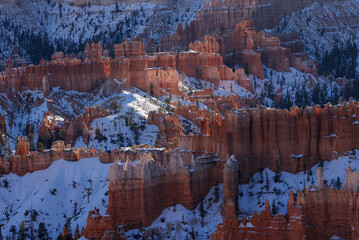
point(281, 140)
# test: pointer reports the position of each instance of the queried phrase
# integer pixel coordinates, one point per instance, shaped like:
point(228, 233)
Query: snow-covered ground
point(68, 26)
point(323, 25)
point(178, 222)
point(27, 108)
point(117, 127)
point(226, 87)
point(181, 223)
point(58, 194)
point(296, 87)
point(253, 195)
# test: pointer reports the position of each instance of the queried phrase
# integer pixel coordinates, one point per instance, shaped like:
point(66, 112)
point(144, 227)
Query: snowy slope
point(321, 26)
point(252, 196)
point(68, 27)
point(70, 180)
point(135, 106)
point(296, 87)
point(177, 222)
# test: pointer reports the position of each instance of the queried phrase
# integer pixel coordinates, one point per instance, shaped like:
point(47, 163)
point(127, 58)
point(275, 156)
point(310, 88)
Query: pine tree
point(22, 233)
point(197, 106)
point(30, 138)
point(77, 232)
point(274, 208)
point(42, 233)
point(202, 212)
point(13, 231)
point(216, 193)
point(277, 177)
point(267, 183)
point(337, 184)
point(158, 141)
point(40, 147)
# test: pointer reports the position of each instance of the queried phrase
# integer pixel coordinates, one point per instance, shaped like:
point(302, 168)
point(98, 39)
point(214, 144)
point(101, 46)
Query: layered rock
point(97, 225)
point(230, 202)
point(318, 214)
point(28, 162)
point(23, 147)
point(140, 190)
point(220, 16)
point(157, 73)
point(80, 125)
point(52, 125)
point(278, 139)
point(170, 127)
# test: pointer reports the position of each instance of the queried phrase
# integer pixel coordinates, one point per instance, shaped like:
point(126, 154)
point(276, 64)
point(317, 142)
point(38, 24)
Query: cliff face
point(157, 73)
point(281, 140)
point(251, 48)
point(170, 128)
point(71, 130)
point(220, 16)
point(140, 188)
point(316, 214)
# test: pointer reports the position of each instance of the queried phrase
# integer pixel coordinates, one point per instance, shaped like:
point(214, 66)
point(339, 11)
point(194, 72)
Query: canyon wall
point(157, 73)
point(140, 189)
point(220, 16)
point(317, 213)
point(70, 130)
point(281, 140)
point(247, 47)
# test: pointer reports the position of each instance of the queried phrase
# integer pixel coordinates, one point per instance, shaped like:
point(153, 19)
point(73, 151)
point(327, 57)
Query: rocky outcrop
point(209, 45)
point(278, 139)
point(53, 127)
point(312, 214)
point(140, 189)
point(97, 225)
point(93, 51)
point(34, 161)
point(218, 17)
point(80, 125)
point(170, 127)
point(23, 147)
point(230, 202)
point(157, 73)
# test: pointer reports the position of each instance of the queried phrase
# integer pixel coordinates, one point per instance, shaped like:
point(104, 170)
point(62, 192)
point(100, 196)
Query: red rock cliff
point(279, 139)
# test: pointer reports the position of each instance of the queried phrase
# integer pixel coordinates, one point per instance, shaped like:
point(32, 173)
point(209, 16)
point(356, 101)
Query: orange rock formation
point(278, 139)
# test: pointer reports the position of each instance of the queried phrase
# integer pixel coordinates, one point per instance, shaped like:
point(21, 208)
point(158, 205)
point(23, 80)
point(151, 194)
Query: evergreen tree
point(316, 94)
point(202, 212)
point(13, 231)
point(40, 147)
point(42, 233)
point(267, 183)
point(115, 106)
point(197, 106)
point(158, 141)
point(277, 177)
point(274, 208)
point(30, 138)
point(337, 184)
point(22, 233)
point(216, 193)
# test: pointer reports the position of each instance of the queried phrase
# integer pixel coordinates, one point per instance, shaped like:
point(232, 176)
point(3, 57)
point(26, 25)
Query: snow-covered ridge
point(63, 193)
point(321, 26)
point(68, 27)
point(180, 223)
